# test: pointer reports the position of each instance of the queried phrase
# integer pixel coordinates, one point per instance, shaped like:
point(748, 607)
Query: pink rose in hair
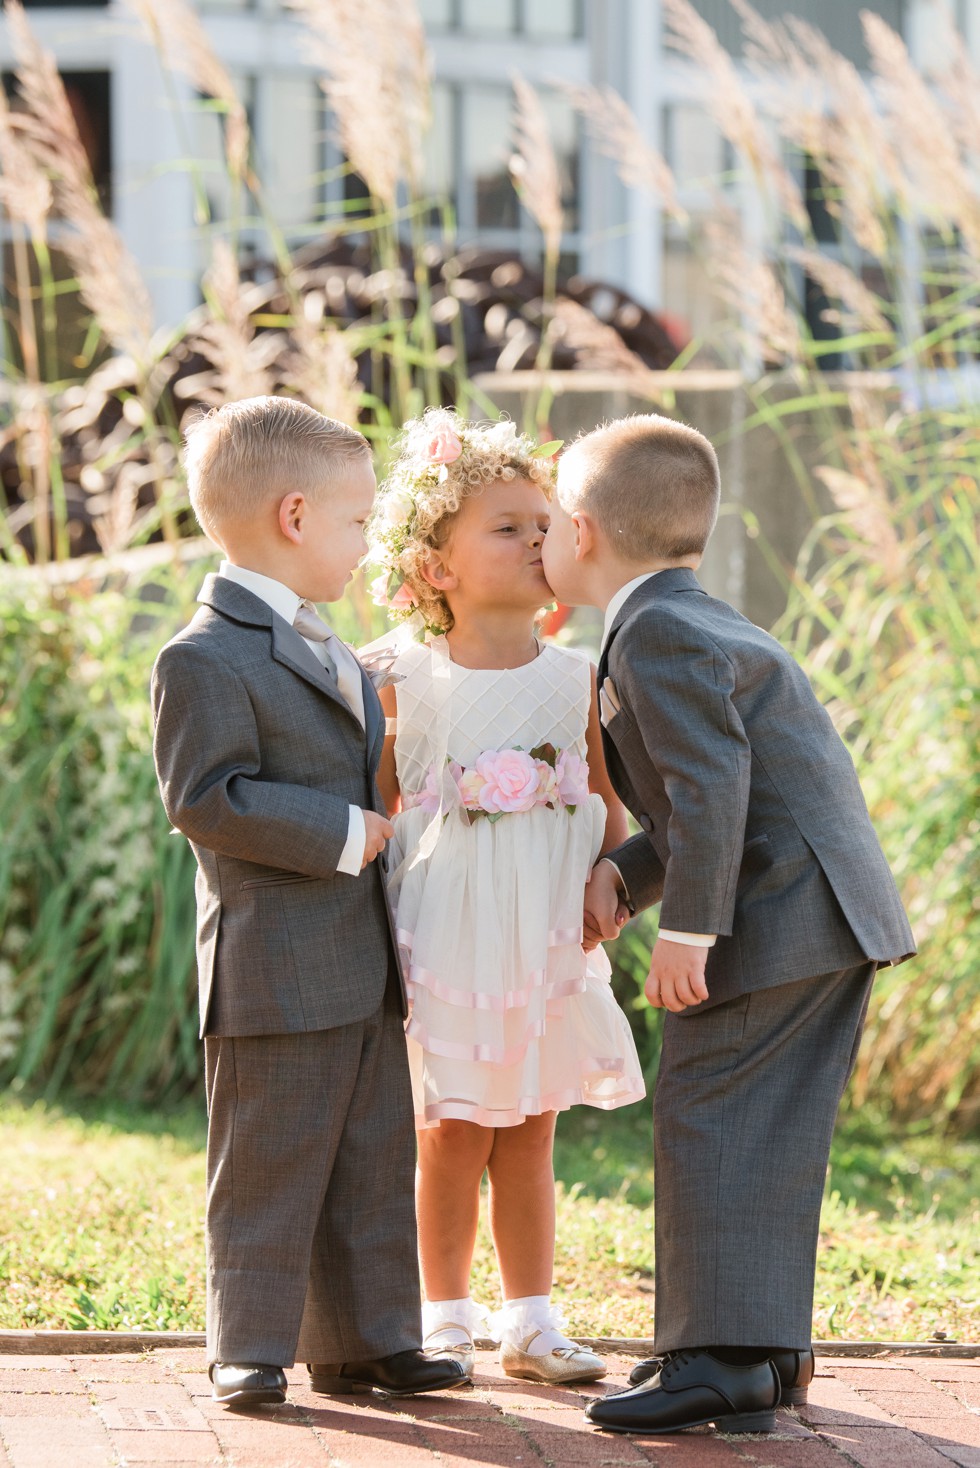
point(445, 446)
point(511, 780)
point(403, 599)
point(572, 774)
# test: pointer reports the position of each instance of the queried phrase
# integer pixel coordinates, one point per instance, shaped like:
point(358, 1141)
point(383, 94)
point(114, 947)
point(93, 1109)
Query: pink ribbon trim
point(527, 1106)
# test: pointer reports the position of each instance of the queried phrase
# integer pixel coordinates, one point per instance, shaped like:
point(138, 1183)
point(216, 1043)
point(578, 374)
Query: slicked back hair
point(243, 455)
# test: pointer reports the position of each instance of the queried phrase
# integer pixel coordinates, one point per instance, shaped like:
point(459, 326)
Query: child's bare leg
point(522, 1205)
point(522, 1220)
point(452, 1159)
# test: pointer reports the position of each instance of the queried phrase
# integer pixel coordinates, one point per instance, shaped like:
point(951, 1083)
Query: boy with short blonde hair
point(267, 740)
point(777, 906)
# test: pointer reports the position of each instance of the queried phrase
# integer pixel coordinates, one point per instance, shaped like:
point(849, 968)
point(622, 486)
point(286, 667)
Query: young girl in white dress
point(494, 774)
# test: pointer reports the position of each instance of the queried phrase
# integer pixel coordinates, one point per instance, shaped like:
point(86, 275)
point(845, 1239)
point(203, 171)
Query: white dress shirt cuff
point(691, 940)
point(353, 853)
point(623, 889)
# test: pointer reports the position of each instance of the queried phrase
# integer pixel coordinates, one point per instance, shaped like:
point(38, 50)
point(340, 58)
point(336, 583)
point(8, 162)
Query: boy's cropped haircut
point(242, 455)
point(651, 484)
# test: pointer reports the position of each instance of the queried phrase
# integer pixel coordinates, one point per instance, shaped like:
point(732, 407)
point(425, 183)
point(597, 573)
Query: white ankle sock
point(522, 1317)
point(452, 1322)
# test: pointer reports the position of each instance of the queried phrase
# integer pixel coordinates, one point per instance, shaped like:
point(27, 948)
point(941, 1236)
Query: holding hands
point(605, 911)
point(676, 978)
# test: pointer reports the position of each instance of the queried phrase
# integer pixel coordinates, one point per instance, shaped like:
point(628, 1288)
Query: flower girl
point(493, 762)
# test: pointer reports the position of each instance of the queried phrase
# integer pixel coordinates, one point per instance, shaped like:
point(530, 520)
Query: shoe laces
point(671, 1361)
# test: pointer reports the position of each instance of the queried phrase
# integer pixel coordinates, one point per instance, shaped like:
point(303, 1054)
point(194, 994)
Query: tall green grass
point(96, 960)
point(97, 971)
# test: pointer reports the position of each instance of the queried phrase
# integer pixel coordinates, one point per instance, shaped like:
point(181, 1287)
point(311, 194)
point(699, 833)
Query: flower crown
point(441, 460)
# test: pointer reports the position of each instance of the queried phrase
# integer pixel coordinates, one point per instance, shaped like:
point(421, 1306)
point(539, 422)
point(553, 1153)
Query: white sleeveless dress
point(509, 1017)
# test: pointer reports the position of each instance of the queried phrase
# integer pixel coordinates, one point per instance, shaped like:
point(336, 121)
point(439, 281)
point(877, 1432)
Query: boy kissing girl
point(777, 906)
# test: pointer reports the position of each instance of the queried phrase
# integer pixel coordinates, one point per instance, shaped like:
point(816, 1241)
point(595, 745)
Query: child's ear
point(292, 513)
point(437, 573)
point(585, 536)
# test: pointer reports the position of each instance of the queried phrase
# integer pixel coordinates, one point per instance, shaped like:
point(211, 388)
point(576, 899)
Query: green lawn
point(100, 1226)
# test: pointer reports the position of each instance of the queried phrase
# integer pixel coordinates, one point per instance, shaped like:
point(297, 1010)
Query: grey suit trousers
point(744, 1111)
point(311, 1239)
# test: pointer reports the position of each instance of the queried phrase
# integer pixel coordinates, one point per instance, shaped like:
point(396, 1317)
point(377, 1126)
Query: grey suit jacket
point(753, 822)
point(258, 758)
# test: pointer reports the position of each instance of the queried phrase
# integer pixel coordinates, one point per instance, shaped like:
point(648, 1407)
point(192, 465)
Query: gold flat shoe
point(463, 1351)
point(562, 1366)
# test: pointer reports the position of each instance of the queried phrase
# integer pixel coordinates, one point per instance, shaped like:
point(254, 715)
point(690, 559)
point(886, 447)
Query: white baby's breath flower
point(503, 435)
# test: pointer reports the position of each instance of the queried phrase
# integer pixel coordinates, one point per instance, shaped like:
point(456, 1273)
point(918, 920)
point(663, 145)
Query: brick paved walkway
point(155, 1409)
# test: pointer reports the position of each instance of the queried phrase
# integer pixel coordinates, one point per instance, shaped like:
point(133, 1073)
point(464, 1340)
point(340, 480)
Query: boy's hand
point(676, 977)
point(378, 831)
point(604, 912)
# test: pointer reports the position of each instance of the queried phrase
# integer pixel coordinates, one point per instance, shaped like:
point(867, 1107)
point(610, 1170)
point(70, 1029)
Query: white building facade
point(143, 128)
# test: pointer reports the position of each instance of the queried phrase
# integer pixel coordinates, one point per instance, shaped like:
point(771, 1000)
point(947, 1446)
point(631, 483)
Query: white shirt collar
point(273, 593)
point(620, 599)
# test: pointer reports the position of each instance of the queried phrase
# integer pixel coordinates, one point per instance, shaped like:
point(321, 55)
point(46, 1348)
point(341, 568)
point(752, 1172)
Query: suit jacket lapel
point(374, 724)
point(288, 647)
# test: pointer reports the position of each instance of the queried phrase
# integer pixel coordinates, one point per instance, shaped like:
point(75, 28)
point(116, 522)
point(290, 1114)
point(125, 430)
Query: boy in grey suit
point(777, 906)
point(267, 740)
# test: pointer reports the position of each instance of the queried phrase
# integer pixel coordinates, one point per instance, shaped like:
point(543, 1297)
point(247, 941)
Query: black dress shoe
point(402, 1375)
point(247, 1385)
point(795, 1374)
point(691, 1389)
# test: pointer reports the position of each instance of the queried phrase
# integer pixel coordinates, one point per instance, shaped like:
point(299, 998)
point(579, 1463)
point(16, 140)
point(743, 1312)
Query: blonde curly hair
point(441, 461)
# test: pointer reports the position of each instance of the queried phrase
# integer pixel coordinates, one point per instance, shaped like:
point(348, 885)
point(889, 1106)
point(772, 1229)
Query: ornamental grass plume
point(749, 284)
point(183, 44)
point(25, 194)
point(241, 359)
point(320, 366)
point(25, 189)
point(824, 107)
point(615, 129)
point(108, 277)
point(923, 135)
point(729, 103)
point(377, 79)
point(598, 344)
point(534, 167)
point(859, 304)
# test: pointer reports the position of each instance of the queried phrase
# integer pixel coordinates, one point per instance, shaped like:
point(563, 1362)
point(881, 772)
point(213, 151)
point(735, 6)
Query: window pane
point(693, 307)
point(839, 20)
point(438, 181)
point(692, 144)
point(487, 148)
point(488, 16)
point(552, 18)
point(290, 124)
point(211, 147)
point(437, 14)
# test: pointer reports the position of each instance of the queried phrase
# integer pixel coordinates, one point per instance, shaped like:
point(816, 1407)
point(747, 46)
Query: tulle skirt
point(509, 1018)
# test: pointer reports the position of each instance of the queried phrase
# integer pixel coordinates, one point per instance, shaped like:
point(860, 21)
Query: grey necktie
point(340, 665)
